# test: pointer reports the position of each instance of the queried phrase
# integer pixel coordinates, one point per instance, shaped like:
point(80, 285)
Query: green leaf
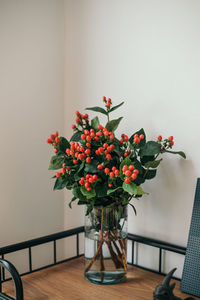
point(60, 183)
point(95, 122)
point(88, 194)
point(70, 203)
point(181, 153)
point(112, 125)
point(56, 162)
point(115, 107)
point(91, 167)
point(153, 164)
point(110, 191)
point(151, 174)
point(130, 188)
point(76, 137)
point(151, 148)
point(134, 209)
point(139, 132)
point(98, 109)
point(140, 191)
point(81, 202)
point(145, 159)
point(63, 144)
point(78, 194)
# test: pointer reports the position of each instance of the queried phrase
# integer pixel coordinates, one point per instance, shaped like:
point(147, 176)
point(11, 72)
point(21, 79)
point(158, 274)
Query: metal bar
point(54, 251)
point(30, 259)
point(160, 260)
point(3, 270)
point(5, 297)
point(133, 249)
point(0, 279)
point(77, 244)
point(41, 240)
point(157, 244)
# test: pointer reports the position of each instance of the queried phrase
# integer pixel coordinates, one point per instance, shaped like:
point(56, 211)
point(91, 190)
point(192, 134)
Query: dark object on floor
point(190, 282)
point(164, 291)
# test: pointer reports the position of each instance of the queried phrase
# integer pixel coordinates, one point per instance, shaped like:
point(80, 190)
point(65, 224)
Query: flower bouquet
point(105, 173)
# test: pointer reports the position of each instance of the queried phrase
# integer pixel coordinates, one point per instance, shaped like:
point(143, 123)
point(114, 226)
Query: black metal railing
point(136, 239)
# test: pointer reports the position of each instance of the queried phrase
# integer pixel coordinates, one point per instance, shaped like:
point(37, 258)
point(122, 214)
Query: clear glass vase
point(106, 245)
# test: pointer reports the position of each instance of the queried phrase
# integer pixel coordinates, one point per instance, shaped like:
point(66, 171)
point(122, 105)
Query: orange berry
point(127, 180)
point(131, 167)
point(112, 174)
point(141, 136)
point(95, 177)
point(128, 173)
point(88, 160)
point(100, 167)
point(83, 136)
point(107, 170)
point(133, 176)
point(110, 185)
point(105, 145)
point(108, 156)
point(136, 171)
point(88, 138)
point(88, 145)
point(57, 174)
point(125, 168)
point(55, 150)
point(116, 172)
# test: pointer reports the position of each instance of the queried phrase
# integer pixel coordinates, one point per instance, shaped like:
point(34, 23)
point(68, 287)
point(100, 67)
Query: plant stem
point(148, 167)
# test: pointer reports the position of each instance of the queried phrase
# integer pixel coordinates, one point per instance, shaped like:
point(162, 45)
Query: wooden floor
point(66, 281)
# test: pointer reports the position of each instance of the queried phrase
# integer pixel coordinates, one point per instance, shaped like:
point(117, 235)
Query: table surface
point(66, 281)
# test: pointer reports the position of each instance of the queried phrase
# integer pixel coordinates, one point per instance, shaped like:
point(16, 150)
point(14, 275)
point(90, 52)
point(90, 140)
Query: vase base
point(105, 277)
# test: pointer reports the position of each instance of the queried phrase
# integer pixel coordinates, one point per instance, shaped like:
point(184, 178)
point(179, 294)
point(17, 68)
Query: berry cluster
point(54, 140)
point(124, 138)
point(88, 180)
point(80, 120)
point(105, 150)
point(63, 171)
point(137, 138)
point(92, 135)
point(108, 102)
point(79, 152)
point(167, 142)
point(130, 173)
point(114, 173)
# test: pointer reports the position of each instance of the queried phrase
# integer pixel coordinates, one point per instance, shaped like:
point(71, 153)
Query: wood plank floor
point(66, 281)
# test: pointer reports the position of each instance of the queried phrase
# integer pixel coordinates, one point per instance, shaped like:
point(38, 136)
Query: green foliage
point(88, 194)
point(112, 125)
point(139, 132)
point(153, 164)
point(130, 188)
point(56, 162)
point(63, 144)
point(181, 153)
point(150, 174)
point(76, 137)
point(151, 148)
point(91, 167)
point(98, 109)
point(60, 183)
point(115, 107)
point(95, 122)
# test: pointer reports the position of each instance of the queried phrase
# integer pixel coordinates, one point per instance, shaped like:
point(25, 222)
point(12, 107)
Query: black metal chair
point(19, 295)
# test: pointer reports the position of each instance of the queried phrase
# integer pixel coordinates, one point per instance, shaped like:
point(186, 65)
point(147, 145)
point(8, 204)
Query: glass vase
point(106, 245)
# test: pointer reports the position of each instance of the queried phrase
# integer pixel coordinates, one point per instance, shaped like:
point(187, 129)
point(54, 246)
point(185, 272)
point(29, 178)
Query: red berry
point(82, 149)
point(55, 150)
point(49, 141)
point(136, 135)
point(133, 176)
point(136, 171)
point(63, 165)
point(57, 139)
point(99, 167)
point(87, 151)
point(108, 156)
point(171, 143)
point(136, 140)
point(52, 136)
point(159, 138)
point(87, 185)
point(76, 154)
point(131, 167)
point(89, 189)
point(99, 133)
point(88, 145)
point(112, 147)
point(107, 170)
point(106, 152)
point(141, 136)
point(125, 168)
point(91, 180)
point(95, 177)
point(56, 133)
point(104, 98)
point(86, 132)
point(100, 127)
point(92, 134)
point(114, 168)
point(96, 138)
point(97, 152)
point(73, 126)
point(79, 156)
point(105, 145)
point(77, 120)
point(110, 185)
point(101, 149)
point(111, 137)
point(83, 136)
point(106, 132)
point(121, 141)
point(128, 173)
point(88, 138)
point(126, 138)
point(109, 149)
point(116, 172)
point(87, 176)
point(171, 138)
point(75, 161)
point(112, 174)
point(88, 160)
point(85, 116)
point(57, 174)
point(108, 104)
point(77, 113)
point(125, 154)
point(127, 180)
point(63, 170)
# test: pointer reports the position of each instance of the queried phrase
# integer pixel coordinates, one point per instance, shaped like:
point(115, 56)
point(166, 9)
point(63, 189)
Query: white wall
point(146, 53)
point(31, 99)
